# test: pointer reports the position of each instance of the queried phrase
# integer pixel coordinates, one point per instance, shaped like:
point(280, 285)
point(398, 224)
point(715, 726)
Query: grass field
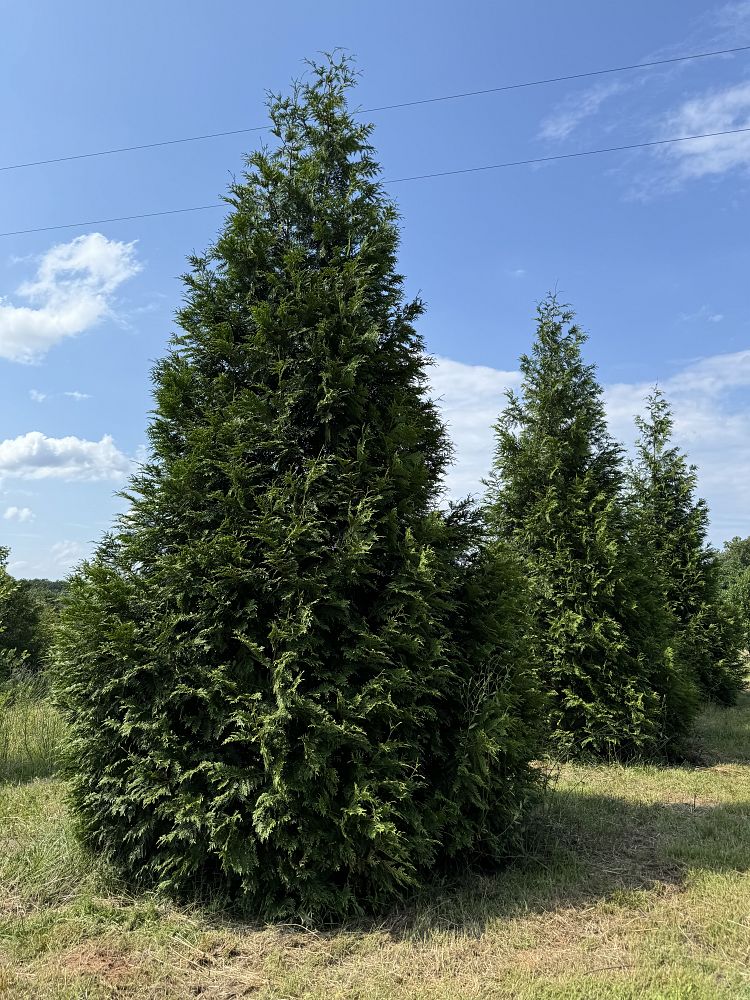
point(639, 888)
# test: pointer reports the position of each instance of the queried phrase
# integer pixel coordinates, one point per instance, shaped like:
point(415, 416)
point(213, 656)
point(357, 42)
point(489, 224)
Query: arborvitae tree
point(672, 527)
point(557, 493)
point(288, 673)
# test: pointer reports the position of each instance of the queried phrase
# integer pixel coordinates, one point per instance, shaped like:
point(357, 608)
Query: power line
point(413, 177)
point(388, 107)
point(565, 156)
point(562, 79)
point(120, 218)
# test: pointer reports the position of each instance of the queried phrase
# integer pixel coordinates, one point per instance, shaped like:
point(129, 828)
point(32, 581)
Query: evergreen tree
point(672, 528)
point(289, 674)
point(557, 493)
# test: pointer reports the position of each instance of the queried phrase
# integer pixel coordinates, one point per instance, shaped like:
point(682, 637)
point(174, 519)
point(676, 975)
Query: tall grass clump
point(31, 733)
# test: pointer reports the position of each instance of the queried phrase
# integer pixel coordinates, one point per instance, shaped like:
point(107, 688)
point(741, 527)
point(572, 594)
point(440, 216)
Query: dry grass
point(639, 890)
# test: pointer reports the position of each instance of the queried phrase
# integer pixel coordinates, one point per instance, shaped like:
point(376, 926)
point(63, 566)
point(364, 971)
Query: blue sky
point(649, 246)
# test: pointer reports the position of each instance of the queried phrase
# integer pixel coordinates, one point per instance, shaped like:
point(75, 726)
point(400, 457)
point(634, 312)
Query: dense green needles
point(289, 673)
point(672, 529)
point(557, 493)
point(294, 676)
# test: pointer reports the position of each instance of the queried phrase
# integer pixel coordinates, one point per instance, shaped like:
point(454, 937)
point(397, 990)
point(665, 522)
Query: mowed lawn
point(637, 886)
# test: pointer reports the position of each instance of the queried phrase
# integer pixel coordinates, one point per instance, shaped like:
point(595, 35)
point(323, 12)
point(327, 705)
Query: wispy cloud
point(712, 423)
point(36, 456)
point(574, 110)
point(39, 397)
point(66, 554)
point(716, 111)
point(702, 315)
point(732, 21)
point(72, 291)
point(722, 109)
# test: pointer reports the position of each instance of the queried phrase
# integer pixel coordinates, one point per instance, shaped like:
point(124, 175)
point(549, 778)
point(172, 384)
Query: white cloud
point(73, 290)
point(36, 456)
point(66, 554)
point(470, 398)
point(20, 514)
point(717, 111)
point(574, 110)
point(39, 397)
point(734, 19)
point(702, 315)
point(712, 424)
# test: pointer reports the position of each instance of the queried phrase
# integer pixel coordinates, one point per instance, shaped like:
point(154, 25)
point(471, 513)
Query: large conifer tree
point(287, 672)
point(672, 527)
point(557, 493)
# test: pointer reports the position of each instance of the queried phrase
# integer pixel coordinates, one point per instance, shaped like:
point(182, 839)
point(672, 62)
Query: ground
point(637, 888)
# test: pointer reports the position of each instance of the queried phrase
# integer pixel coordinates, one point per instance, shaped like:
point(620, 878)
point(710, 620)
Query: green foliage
point(734, 561)
point(24, 640)
point(556, 493)
point(672, 526)
point(734, 583)
point(737, 601)
point(287, 672)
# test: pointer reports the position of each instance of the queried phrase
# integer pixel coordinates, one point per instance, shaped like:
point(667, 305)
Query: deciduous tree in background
point(734, 584)
point(24, 637)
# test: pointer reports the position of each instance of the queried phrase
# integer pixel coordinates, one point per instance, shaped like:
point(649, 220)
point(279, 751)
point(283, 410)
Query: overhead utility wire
point(403, 180)
point(387, 107)
point(564, 156)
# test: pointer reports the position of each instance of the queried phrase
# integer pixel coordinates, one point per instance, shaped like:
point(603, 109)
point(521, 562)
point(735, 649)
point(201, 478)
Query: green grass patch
point(638, 888)
point(31, 732)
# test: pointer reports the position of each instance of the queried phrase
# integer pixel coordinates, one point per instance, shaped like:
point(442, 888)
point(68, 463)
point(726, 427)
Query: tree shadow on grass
point(589, 848)
point(584, 849)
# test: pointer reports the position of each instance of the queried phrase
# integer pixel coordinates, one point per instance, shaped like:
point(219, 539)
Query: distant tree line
point(734, 582)
point(294, 673)
point(29, 610)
